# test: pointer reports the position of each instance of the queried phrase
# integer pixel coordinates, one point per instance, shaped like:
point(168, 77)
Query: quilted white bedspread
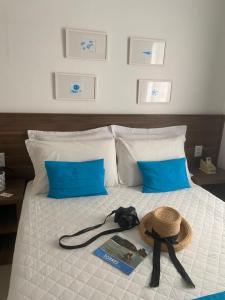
point(43, 271)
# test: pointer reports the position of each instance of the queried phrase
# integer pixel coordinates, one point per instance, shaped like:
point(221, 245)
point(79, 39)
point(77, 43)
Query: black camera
point(126, 217)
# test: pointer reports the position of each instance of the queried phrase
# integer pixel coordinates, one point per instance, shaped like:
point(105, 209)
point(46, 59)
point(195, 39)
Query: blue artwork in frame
point(75, 88)
point(146, 51)
point(87, 45)
point(154, 91)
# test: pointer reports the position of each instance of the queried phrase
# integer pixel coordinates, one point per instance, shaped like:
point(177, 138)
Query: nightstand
point(10, 209)
point(214, 183)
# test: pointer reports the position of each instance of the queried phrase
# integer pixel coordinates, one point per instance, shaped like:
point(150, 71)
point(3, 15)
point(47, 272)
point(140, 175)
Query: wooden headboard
point(203, 130)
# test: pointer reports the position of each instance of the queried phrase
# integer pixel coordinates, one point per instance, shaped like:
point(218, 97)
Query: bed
point(42, 270)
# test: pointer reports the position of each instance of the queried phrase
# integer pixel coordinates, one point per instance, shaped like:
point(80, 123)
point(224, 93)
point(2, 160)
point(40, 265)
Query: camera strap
point(88, 242)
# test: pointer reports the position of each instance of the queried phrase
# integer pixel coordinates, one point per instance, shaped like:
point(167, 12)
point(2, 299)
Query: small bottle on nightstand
point(2, 180)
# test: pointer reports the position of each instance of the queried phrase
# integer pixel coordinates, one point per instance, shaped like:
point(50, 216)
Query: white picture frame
point(153, 91)
point(146, 51)
point(78, 87)
point(86, 44)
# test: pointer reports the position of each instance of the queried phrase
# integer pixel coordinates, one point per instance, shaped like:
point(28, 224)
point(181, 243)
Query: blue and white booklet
point(121, 253)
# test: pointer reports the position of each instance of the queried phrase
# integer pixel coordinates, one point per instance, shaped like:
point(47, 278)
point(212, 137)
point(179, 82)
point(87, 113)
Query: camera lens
point(125, 221)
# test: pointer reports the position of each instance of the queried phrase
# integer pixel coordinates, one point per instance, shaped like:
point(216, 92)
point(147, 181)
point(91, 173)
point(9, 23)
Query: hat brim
point(184, 236)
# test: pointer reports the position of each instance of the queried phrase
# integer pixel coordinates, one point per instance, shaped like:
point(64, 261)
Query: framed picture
point(70, 86)
point(86, 44)
point(143, 51)
point(153, 91)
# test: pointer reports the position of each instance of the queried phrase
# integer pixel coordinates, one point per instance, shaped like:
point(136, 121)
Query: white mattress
point(43, 271)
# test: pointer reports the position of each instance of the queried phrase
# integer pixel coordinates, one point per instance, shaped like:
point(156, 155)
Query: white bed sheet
point(43, 271)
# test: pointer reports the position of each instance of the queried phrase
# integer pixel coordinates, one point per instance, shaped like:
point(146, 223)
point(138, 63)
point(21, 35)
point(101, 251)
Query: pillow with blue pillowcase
point(75, 179)
point(164, 176)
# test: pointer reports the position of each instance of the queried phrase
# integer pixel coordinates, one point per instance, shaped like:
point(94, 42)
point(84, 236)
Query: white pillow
point(101, 132)
point(165, 132)
point(129, 151)
point(40, 151)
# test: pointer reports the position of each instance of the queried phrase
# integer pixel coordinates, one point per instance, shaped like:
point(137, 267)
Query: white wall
point(31, 49)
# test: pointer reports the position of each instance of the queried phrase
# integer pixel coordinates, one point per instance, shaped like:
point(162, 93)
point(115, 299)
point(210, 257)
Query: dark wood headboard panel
point(203, 130)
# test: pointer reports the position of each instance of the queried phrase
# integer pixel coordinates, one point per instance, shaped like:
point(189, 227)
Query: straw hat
point(167, 222)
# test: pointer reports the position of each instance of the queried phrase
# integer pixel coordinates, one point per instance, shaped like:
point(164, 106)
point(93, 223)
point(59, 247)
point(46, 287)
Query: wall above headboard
point(32, 48)
point(203, 130)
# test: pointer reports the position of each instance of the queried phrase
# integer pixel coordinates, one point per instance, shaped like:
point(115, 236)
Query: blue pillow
point(217, 296)
point(164, 176)
point(75, 179)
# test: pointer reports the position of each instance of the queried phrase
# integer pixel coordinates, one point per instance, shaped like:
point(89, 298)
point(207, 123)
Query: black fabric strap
point(178, 265)
point(169, 241)
point(71, 247)
point(156, 264)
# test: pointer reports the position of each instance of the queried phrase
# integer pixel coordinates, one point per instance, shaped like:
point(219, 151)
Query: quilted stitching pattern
point(43, 271)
